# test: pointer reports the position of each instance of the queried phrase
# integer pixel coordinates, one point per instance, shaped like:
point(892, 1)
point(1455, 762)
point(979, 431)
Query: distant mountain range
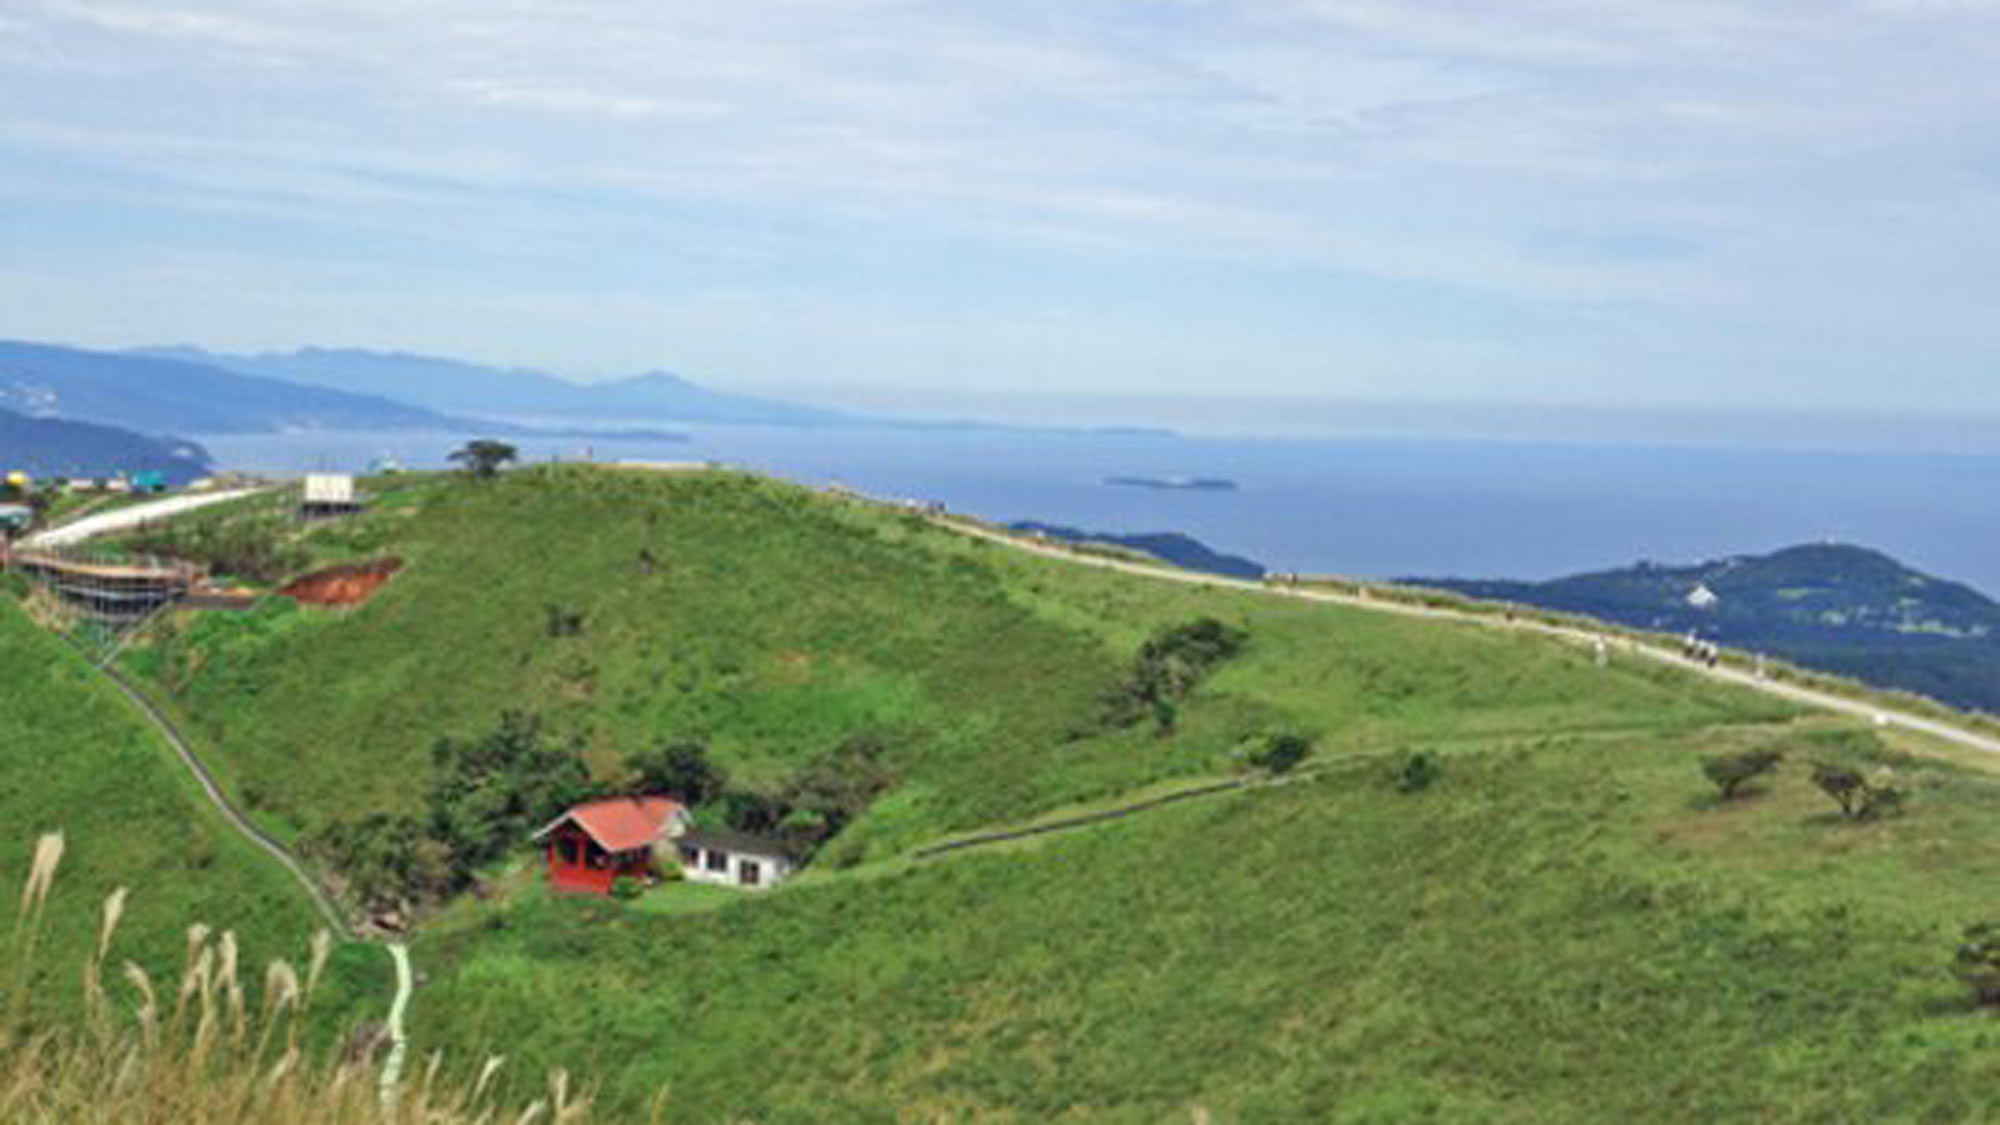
point(514, 394)
point(156, 395)
point(1183, 551)
point(49, 447)
point(1839, 608)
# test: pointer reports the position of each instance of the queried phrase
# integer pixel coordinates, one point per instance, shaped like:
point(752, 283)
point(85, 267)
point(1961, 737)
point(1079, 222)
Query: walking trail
point(124, 518)
point(1878, 713)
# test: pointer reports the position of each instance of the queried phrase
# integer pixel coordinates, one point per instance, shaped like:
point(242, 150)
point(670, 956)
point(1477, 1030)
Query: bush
point(1168, 667)
point(1978, 962)
point(625, 888)
point(1859, 798)
point(1281, 753)
point(679, 768)
point(1419, 770)
point(1730, 772)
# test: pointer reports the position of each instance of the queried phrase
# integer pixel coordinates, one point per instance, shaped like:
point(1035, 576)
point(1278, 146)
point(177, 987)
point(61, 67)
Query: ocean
point(1367, 508)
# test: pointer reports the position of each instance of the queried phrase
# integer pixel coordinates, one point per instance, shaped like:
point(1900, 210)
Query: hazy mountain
point(51, 447)
point(1183, 551)
point(157, 395)
point(514, 393)
point(1840, 608)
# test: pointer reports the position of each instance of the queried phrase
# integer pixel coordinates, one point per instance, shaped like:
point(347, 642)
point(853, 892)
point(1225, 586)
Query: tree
point(1418, 771)
point(1844, 784)
point(482, 457)
point(1859, 798)
point(1169, 666)
point(1281, 753)
point(1731, 772)
point(489, 793)
point(1978, 961)
point(681, 768)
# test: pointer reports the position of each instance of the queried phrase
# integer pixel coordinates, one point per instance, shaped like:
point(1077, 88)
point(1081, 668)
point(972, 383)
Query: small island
point(1175, 484)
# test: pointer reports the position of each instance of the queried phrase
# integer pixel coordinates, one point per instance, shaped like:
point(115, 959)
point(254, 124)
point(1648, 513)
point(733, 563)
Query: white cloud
point(1799, 157)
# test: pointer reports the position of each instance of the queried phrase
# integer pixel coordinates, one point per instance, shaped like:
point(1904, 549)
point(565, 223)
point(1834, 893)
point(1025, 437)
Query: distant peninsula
point(1182, 551)
point(1835, 607)
point(1175, 484)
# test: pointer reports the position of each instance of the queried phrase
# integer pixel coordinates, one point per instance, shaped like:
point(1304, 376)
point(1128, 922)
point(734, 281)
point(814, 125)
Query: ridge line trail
point(1881, 713)
point(121, 519)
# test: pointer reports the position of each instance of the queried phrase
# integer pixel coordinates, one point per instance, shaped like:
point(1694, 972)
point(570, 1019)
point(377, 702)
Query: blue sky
point(1700, 205)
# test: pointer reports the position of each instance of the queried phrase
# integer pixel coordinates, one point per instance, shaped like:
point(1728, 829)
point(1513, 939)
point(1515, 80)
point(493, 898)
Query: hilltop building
point(1703, 598)
point(328, 495)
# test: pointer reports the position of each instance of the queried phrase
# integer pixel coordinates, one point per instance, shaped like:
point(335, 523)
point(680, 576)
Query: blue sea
point(1368, 508)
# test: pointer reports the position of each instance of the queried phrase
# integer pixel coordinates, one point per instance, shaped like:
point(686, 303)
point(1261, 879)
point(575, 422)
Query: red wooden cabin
point(591, 846)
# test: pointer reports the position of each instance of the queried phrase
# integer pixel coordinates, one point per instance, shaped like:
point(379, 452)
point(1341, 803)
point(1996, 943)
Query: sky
point(1765, 206)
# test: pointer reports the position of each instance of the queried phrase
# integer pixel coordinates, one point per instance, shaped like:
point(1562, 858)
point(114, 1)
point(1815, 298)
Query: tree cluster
point(1168, 667)
point(806, 810)
point(486, 795)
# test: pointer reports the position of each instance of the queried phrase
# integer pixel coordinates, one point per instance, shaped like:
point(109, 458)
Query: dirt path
point(1880, 714)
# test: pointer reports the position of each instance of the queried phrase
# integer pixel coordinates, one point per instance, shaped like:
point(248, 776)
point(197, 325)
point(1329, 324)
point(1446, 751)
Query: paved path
point(399, 1039)
point(1881, 714)
point(124, 519)
point(392, 1066)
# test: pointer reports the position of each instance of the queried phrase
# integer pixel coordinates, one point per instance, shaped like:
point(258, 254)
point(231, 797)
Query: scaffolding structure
point(115, 593)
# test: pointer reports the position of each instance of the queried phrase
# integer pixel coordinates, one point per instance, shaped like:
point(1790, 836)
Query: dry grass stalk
point(150, 1070)
point(41, 876)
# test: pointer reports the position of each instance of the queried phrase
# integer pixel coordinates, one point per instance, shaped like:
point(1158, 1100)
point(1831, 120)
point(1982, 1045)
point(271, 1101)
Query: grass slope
point(774, 622)
point(1563, 929)
point(79, 760)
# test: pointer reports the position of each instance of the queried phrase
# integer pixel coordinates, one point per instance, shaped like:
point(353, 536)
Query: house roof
point(620, 824)
point(743, 843)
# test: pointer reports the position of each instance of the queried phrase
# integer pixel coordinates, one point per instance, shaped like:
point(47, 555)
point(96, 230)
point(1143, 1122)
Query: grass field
point(1566, 927)
point(1563, 928)
point(77, 759)
point(774, 623)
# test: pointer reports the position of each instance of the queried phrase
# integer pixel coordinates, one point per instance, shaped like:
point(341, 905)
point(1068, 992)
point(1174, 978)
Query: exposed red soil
point(349, 584)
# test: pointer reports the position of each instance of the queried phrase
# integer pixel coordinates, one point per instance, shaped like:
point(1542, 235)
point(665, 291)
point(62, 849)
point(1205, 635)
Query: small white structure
point(329, 494)
point(734, 859)
point(329, 488)
point(1703, 598)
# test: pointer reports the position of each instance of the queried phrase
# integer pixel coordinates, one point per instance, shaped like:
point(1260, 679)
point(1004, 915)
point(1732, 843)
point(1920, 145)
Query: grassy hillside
point(774, 623)
point(1562, 928)
point(78, 760)
point(1565, 927)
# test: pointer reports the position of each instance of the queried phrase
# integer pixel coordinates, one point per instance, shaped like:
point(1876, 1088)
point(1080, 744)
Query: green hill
point(1842, 609)
point(78, 760)
point(774, 624)
point(1564, 926)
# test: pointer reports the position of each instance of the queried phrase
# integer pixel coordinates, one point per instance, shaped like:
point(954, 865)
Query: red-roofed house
point(592, 845)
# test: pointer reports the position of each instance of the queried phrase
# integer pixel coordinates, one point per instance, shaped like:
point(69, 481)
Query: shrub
point(1730, 772)
point(1419, 770)
point(1978, 961)
point(1844, 784)
point(1859, 797)
point(625, 888)
point(1281, 753)
point(681, 768)
point(1168, 667)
